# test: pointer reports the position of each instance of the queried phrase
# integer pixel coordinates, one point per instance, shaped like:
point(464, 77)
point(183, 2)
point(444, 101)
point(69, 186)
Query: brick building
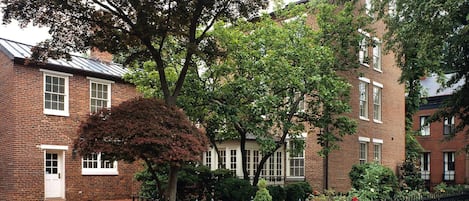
point(378, 102)
point(41, 107)
point(442, 160)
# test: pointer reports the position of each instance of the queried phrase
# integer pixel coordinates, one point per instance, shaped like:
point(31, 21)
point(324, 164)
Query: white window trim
point(377, 44)
point(366, 81)
point(66, 76)
point(99, 170)
point(377, 141)
point(379, 85)
point(424, 127)
point(289, 158)
point(364, 139)
point(103, 82)
point(422, 166)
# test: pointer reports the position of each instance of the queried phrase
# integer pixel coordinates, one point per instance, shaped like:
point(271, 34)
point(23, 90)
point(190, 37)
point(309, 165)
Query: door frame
point(60, 150)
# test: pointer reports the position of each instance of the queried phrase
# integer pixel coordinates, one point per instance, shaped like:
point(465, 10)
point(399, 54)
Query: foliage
point(450, 189)
point(277, 192)
point(411, 175)
point(234, 189)
point(431, 38)
point(298, 191)
point(373, 181)
point(262, 193)
point(126, 134)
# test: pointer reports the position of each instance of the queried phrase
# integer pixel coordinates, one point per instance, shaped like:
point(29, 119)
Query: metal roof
point(16, 50)
point(432, 88)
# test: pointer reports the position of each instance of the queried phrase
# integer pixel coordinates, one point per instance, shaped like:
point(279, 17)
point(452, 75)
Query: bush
point(262, 193)
point(234, 189)
point(297, 191)
point(373, 181)
point(277, 193)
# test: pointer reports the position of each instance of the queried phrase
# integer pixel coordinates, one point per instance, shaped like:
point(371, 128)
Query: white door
point(53, 175)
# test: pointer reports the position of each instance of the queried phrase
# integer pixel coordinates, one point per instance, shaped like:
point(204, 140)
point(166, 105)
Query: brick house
point(442, 160)
point(42, 105)
point(378, 103)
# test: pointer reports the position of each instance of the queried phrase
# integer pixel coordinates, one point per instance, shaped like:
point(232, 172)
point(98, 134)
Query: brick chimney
point(97, 54)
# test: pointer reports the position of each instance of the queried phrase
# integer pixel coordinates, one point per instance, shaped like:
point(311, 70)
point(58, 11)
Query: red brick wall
point(436, 145)
point(391, 130)
point(7, 134)
point(26, 127)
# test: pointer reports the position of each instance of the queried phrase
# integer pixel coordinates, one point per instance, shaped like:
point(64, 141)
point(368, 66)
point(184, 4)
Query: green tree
point(172, 34)
point(273, 76)
point(431, 37)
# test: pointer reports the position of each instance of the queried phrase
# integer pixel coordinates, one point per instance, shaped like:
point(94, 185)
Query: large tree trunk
point(172, 183)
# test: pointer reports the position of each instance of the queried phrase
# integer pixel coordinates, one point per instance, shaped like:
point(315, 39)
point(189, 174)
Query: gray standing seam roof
point(16, 50)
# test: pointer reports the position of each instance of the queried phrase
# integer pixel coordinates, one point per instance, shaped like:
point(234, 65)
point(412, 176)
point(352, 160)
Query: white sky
point(32, 35)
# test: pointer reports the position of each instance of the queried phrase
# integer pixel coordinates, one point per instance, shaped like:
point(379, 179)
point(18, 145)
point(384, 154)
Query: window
point(297, 163)
point(377, 54)
point(449, 166)
point(233, 161)
point(100, 94)
point(363, 154)
point(96, 164)
point(377, 152)
point(208, 159)
point(424, 126)
point(425, 166)
point(377, 91)
point(392, 8)
point(248, 162)
point(55, 93)
point(301, 103)
point(363, 54)
point(272, 166)
point(255, 161)
point(279, 166)
point(363, 87)
point(448, 127)
point(368, 7)
point(222, 155)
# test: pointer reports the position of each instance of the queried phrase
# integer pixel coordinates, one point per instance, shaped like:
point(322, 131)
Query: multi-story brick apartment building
point(377, 101)
point(443, 160)
point(42, 105)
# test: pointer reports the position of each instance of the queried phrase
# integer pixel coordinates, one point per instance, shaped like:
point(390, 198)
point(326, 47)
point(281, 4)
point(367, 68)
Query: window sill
point(56, 113)
point(377, 121)
point(99, 172)
point(364, 118)
point(378, 70)
point(365, 64)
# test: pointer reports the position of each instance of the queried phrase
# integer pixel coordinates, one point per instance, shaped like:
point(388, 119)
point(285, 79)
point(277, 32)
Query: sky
point(32, 35)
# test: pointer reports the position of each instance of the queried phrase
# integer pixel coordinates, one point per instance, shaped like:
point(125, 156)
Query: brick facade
point(26, 132)
point(389, 132)
point(435, 145)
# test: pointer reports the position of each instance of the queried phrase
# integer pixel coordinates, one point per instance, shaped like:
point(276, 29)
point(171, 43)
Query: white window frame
point(98, 81)
point(369, 7)
point(99, 170)
point(425, 168)
point(363, 54)
point(60, 75)
point(301, 103)
point(208, 159)
point(448, 125)
point(363, 154)
point(294, 163)
point(233, 161)
point(377, 150)
point(424, 127)
point(377, 102)
point(377, 54)
point(222, 155)
point(363, 98)
point(392, 8)
point(449, 170)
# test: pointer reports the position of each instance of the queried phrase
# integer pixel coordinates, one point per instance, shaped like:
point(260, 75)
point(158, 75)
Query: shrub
point(373, 181)
point(297, 191)
point(277, 193)
point(234, 189)
point(262, 193)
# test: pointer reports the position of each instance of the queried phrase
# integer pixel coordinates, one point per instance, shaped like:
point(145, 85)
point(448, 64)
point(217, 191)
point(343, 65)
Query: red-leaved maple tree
point(144, 129)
